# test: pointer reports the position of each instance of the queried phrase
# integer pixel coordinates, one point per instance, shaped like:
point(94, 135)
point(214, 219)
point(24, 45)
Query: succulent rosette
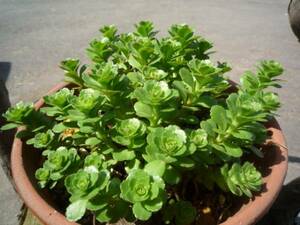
point(59, 163)
point(242, 179)
point(156, 101)
point(154, 93)
point(59, 99)
point(83, 186)
point(42, 140)
point(58, 103)
point(130, 133)
point(18, 115)
point(199, 138)
point(19, 112)
point(144, 191)
point(166, 144)
point(152, 73)
point(94, 159)
point(86, 183)
point(87, 100)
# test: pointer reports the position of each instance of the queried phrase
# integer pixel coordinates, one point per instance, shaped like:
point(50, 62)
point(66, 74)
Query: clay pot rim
point(247, 215)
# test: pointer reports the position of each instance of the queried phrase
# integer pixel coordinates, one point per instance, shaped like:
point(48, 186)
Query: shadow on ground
point(6, 138)
point(286, 207)
point(294, 159)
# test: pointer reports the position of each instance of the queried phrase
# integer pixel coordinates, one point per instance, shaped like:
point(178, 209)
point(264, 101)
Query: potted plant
point(152, 130)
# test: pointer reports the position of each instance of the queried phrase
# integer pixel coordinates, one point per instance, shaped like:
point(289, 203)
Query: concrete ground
point(36, 35)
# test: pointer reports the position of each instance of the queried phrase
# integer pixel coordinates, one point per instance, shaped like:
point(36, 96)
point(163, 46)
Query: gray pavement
point(36, 35)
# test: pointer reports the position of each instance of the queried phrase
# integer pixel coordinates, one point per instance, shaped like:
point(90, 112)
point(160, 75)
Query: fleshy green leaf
point(232, 150)
point(143, 110)
point(59, 128)
point(103, 216)
point(97, 203)
point(9, 126)
point(140, 212)
point(155, 168)
point(76, 210)
point(92, 141)
point(218, 114)
point(187, 77)
point(124, 155)
point(153, 205)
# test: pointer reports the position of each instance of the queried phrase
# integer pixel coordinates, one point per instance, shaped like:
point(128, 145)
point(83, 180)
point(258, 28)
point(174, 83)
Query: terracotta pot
point(273, 167)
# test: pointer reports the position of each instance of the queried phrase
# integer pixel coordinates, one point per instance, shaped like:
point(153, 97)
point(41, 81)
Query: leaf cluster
point(147, 117)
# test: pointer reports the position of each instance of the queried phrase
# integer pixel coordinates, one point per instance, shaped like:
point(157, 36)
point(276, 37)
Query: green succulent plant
point(150, 122)
point(19, 113)
point(144, 191)
point(166, 144)
point(154, 93)
point(58, 103)
point(73, 71)
point(130, 133)
point(59, 99)
point(59, 163)
point(83, 186)
point(155, 101)
point(94, 159)
point(242, 179)
point(199, 138)
point(86, 101)
point(41, 140)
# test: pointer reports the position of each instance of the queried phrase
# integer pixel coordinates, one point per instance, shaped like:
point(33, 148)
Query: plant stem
point(94, 219)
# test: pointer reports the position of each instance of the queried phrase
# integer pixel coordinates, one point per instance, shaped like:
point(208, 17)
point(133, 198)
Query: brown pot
point(273, 167)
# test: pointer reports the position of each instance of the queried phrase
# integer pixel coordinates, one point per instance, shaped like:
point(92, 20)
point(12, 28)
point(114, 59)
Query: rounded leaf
point(140, 212)
point(76, 210)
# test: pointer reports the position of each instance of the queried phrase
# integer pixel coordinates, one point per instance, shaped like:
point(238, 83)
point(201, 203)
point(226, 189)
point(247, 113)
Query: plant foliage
point(143, 114)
